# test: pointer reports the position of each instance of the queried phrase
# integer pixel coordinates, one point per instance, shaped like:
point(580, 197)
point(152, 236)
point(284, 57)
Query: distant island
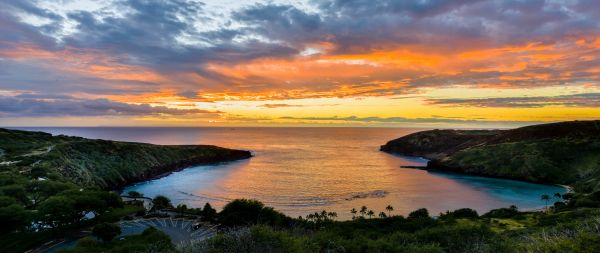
point(103, 163)
point(565, 153)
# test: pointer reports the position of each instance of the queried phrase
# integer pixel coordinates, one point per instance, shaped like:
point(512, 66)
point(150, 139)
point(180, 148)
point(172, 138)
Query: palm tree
point(353, 212)
point(389, 209)
point(557, 195)
point(363, 211)
point(382, 215)
point(546, 198)
point(370, 213)
point(332, 215)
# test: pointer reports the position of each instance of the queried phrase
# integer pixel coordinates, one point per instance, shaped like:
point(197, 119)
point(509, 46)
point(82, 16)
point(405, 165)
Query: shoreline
point(176, 167)
point(429, 168)
point(446, 169)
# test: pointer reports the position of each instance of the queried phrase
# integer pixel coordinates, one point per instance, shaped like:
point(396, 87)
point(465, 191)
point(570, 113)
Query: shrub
point(161, 202)
point(87, 242)
point(501, 213)
point(208, 213)
point(106, 231)
point(419, 213)
point(460, 214)
point(244, 212)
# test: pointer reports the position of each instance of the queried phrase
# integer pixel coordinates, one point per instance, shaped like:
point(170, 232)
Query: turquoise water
point(303, 170)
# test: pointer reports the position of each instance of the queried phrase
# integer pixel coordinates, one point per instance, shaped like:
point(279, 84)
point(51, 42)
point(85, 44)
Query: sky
point(423, 63)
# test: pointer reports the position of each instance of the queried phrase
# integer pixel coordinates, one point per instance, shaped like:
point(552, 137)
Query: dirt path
point(40, 152)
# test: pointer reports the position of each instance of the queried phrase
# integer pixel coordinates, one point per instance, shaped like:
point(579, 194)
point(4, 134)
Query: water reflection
point(303, 170)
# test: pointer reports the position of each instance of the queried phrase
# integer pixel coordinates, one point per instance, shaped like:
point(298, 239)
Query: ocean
point(304, 170)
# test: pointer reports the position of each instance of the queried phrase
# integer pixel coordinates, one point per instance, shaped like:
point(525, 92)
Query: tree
point(7, 201)
point(208, 213)
point(363, 211)
point(135, 195)
point(244, 212)
point(370, 213)
point(13, 217)
point(87, 201)
point(106, 231)
point(382, 215)
point(389, 209)
point(161, 202)
point(181, 208)
point(546, 198)
point(15, 191)
point(332, 215)
point(353, 212)
point(557, 195)
point(323, 214)
point(419, 213)
point(41, 190)
point(58, 211)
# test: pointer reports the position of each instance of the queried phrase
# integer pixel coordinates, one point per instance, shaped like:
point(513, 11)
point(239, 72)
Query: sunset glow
point(298, 63)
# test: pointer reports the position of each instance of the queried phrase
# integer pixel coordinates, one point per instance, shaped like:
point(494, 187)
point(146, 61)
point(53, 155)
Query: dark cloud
point(359, 8)
point(394, 120)
point(32, 105)
point(188, 94)
point(576, 100)
point(292, 105)
point(281, 22)
point(279, 105)
point(14, 33)
point(166, 37)
point(149, 35)
point(39, 76)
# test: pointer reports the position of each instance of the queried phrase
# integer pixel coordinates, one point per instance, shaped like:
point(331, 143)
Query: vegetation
point(161, 202)
point(51, 186)
point(106, 231)
point(102, 163)
point(560, 153)
point(39, 203)
point(151, 240)
point(462, 230)
point(244, 212)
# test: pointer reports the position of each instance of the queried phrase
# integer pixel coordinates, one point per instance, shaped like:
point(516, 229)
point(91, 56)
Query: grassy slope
point(562, 153)
point(100, 162)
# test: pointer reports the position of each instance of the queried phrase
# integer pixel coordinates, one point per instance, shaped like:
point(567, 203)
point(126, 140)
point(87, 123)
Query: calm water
point(303, 170)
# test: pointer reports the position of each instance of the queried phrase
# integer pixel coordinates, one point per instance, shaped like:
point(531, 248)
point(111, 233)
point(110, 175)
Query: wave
point(371, 194)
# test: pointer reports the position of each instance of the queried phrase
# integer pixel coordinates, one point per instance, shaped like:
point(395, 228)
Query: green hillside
point(558, 153)
point(107, 164)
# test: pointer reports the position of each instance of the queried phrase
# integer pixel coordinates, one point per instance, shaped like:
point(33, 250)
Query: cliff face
point(562, 153)
point(107, 164)
point(437, 144)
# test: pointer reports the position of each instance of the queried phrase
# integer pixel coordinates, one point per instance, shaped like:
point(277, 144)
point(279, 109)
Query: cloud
point(293, 105)
point(401, 120)
point(254, 51)
point(28, 105)
point(575, 100)
point(279, 105)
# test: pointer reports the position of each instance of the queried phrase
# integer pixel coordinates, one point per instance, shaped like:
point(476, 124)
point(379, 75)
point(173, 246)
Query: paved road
point(180, 230)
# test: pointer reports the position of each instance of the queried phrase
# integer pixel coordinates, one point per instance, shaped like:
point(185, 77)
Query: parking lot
point(180, 230)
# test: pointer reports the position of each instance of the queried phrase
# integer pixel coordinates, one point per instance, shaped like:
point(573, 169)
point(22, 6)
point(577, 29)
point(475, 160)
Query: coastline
point(429, 168)
point(165, 170)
